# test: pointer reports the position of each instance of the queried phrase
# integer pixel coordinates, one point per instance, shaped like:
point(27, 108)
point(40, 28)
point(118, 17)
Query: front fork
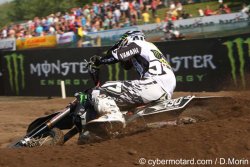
point(48, 125)
point(83, 112)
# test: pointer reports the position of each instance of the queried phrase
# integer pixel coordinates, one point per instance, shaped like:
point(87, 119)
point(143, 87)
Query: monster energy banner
point(200, 65)
point(1, 77)
point(210, 64)
point(195, 63)
point(39, 72)
point(238, 56)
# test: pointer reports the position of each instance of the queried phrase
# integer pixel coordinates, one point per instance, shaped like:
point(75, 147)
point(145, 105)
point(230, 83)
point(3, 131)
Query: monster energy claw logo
point(239, 42)
point(15, 66)
point(115, 75)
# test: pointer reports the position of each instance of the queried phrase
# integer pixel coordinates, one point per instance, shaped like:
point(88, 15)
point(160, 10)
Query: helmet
point(131, 36)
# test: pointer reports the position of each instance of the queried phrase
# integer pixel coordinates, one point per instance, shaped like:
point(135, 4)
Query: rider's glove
point(96, 60)
point(94, 64)
point(94, 68)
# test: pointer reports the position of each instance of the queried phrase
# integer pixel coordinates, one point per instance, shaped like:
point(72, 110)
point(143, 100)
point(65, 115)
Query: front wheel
point(49, 138)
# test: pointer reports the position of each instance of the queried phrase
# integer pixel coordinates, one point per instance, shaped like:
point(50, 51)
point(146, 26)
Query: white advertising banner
point(193, 22)
point(65, 38)
point(8, 44)
point(215, 19)
point(112, 34)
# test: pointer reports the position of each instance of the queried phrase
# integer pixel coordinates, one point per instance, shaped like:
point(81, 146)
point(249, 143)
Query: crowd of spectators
point(109, 14)
point(223, 8)
point(176, 12)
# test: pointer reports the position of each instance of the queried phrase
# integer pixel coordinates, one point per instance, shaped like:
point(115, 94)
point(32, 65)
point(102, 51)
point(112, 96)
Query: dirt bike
point(57, 128)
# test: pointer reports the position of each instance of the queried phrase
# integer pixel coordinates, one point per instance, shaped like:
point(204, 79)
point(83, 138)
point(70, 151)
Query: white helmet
point(131, 36)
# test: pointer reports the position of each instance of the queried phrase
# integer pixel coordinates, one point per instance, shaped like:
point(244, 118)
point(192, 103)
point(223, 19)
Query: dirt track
point(222, 131)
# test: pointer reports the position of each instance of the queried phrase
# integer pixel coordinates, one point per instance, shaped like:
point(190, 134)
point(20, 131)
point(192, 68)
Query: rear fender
point(171, 106)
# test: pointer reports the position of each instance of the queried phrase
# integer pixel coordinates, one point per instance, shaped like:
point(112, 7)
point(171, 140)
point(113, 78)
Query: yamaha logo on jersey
point(129, 52)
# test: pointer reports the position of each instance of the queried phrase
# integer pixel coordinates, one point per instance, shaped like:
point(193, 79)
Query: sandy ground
point(221, 135)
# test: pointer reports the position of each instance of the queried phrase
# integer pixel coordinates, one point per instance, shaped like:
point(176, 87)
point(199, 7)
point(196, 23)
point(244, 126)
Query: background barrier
point(1, 76)
point(200, 65)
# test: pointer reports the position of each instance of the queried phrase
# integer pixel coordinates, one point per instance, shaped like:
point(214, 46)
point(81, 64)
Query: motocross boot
point(110, 121)
point(88, 137)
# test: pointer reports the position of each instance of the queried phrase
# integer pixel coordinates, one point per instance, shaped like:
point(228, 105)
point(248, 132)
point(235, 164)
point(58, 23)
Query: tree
point(28, 9)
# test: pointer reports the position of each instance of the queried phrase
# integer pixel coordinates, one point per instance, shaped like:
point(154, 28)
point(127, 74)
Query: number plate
point(167, 105)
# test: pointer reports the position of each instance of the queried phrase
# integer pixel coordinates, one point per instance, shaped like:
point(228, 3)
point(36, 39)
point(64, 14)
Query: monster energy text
point(62, 68)
point(17, 72)
point(205, 61)
point(239, 43)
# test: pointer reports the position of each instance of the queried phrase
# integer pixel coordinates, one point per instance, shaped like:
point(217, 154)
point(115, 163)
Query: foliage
point(20, 10)
point(28, 9)
point(4, 8)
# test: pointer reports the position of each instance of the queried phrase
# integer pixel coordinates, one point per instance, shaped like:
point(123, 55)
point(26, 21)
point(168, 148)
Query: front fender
point(65, 123)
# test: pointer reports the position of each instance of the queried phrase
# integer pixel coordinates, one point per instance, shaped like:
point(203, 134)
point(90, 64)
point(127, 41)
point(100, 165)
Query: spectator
point(86, 12)
point(98, 23)
point(226, 9)
point(201, 12)
point(137, 8)
point(50, 19)
point(208, 11)
point(27, 34)
point(80, 35)
point(167, 17)
point(39, 30)
point(154, 8)
point(117, 15)
point(133, 17)
point(220, 4)
point(174, 14)
point(96, 9)
point(179, 7)
point(172, 5)
point(173, 17)
point(59, 29)
point(125, 9)
point(245, 8)
point(157, 19)
point(184, 15)
point(4, 32)
point(145, 16)
point(106, 22)
point(52, 30)
point(146, 5)
point(12, 33)
point(83, 20)
point(133, 14)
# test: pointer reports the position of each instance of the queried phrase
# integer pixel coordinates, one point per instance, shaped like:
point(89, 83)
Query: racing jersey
point(146, 58)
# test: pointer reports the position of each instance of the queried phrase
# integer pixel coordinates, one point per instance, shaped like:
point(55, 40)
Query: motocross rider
point(156, 81)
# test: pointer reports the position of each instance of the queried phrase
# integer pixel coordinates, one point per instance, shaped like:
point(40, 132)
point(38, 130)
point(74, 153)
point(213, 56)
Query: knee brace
point(105, 105)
